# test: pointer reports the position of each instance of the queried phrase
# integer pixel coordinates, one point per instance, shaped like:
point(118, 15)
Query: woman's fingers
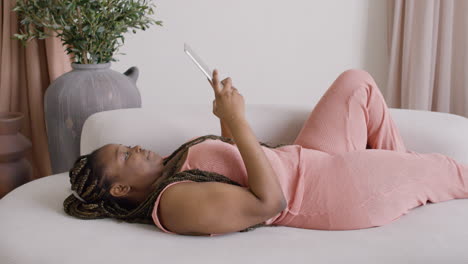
point(227, 83)
point(215, 82)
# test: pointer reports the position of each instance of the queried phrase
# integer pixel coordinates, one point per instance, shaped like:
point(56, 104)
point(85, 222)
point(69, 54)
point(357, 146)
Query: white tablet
point(198, 61)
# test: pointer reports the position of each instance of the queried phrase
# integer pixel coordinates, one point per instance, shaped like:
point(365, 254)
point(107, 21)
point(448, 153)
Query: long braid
point(100, 204)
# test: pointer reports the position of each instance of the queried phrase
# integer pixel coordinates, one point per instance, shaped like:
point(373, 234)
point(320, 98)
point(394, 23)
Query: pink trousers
point(369, 179)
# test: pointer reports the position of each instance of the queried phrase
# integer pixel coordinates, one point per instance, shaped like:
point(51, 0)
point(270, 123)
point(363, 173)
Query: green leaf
point(103, 21)
point(19, 36)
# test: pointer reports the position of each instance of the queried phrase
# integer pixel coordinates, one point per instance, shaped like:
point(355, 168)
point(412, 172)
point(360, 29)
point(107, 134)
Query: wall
point(280, 52)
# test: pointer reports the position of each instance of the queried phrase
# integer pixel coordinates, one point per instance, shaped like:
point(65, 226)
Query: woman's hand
point(229, 103)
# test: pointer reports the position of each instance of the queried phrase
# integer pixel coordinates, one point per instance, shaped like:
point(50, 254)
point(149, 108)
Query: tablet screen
point(198, 61)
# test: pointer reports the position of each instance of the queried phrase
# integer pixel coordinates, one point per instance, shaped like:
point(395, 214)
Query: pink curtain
point(428, 43)
point(25, 74)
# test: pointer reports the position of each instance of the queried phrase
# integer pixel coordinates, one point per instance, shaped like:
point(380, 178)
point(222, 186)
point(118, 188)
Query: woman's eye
point(126, 153)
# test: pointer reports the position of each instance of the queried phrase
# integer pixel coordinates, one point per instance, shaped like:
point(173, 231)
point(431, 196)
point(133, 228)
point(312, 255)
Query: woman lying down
point(347, 169)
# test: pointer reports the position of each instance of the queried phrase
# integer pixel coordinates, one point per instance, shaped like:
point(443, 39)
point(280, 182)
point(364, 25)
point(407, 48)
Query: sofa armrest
point(427, 131)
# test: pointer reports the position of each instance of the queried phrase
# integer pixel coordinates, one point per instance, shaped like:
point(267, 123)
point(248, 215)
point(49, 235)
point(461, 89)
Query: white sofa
point(35, 229)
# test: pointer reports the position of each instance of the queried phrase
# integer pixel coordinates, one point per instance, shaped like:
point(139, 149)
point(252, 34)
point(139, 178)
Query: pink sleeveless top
point(224, 158)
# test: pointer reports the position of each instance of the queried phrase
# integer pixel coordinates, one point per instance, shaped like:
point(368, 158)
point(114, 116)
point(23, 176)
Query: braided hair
point(87, 173)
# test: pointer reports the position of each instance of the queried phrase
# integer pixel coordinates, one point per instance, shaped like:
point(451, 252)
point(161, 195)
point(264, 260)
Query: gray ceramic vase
point(74, 96)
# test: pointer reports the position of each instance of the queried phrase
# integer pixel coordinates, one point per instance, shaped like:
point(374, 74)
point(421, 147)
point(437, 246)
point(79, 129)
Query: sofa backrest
point(164, 128)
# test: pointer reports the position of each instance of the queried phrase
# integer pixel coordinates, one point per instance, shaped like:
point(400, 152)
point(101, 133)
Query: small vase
point(15, 169)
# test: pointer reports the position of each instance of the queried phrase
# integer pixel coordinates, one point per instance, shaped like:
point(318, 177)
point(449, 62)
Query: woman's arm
point(263, 181)
point(225, 132)
point(229, 106)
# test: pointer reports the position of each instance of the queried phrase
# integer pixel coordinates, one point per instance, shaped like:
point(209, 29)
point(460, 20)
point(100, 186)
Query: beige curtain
point(428, 42)
point(25, 74)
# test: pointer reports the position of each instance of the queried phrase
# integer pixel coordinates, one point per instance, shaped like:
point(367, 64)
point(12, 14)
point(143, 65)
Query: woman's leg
point(375, 187)
point(351, 115)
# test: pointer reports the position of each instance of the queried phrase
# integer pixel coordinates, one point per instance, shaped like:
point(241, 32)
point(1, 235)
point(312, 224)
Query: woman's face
point(133, 171)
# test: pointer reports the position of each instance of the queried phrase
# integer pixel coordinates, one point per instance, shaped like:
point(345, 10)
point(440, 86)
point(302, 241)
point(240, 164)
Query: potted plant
point(91, 30)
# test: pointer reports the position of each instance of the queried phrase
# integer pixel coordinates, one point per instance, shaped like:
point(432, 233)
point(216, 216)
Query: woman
point(347, 169)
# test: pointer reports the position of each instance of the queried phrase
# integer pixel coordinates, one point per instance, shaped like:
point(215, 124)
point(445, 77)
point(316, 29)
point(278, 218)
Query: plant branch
point(80, 24)
point(87, 26)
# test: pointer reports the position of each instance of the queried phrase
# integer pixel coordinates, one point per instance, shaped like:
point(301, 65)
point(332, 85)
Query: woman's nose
point(137, 148)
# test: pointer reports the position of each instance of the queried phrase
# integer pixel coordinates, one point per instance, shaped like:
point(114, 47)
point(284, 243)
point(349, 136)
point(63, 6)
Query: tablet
point(198, 61)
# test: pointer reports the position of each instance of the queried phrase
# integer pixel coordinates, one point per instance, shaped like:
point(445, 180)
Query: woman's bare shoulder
point(167, 213)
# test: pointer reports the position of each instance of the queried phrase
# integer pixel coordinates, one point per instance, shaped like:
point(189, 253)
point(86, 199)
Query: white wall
point(281, 52)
